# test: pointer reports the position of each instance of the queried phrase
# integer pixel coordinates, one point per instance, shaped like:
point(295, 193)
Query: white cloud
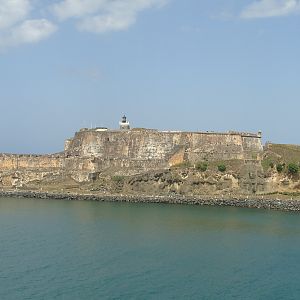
point(13, 11)
point(77, 8)
point(30, 31)
point(16, 25)
point(103, 15)
point(101, 24)
point(271, 8)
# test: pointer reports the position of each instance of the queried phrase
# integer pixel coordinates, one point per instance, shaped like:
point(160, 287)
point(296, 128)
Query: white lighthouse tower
point(124, 124)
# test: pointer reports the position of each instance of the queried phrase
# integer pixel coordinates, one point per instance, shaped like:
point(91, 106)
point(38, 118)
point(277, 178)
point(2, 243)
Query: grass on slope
point(280, 153)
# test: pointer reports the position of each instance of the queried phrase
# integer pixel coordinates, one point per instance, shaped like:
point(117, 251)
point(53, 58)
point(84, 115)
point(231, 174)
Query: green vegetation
point(118, 179)
point(293, 168)
point(221, 167)
point(267, 163)
point(201, 166)
point(185, 164)
point(287, 153)
point(279, 167)
point(285, 158)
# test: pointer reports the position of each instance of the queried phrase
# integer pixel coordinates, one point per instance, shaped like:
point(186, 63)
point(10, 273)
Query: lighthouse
point(124, 124)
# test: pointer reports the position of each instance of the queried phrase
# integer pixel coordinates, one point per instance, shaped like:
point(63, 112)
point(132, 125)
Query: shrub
point(184, 164)
point(279, 168)
point(271, 164)
point(266, 163)
point(201, 166)
point(222, 168)
point(293, 168)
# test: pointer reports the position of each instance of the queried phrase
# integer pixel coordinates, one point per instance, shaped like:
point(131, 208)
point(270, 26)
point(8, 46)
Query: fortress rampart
point(168, 146)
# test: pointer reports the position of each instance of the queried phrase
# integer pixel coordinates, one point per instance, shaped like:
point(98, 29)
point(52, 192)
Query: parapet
point(246, 134)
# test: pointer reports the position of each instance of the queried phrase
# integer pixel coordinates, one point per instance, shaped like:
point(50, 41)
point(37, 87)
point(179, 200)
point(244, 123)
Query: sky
point(187, 65)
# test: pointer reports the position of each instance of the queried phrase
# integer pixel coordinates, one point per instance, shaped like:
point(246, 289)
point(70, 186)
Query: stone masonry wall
point(28, 162)
point(153, 145)
point(17, 170)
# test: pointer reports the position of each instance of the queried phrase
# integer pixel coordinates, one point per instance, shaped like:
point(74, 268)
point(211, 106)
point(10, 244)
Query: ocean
point(54, 249)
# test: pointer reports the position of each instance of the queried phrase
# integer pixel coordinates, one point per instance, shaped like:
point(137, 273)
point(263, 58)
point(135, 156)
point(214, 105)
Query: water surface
point(89, 250)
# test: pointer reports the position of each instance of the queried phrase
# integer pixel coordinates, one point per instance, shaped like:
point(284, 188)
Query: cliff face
point(148, 161)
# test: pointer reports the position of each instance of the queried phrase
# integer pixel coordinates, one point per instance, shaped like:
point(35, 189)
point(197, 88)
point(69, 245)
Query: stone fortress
point(152, 148)
point(126, 151)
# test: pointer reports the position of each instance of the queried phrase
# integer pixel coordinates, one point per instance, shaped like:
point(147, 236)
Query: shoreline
point(254, 201)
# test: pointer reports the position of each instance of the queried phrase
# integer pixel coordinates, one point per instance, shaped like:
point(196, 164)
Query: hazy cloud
point(29, 31)
point(17, 27)
point(77, 8)
point(88, 73)
point(101, 16)
point(271, 8)
point(13, 11)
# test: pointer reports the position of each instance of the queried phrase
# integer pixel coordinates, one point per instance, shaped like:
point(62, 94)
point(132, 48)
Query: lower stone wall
point(18, 170)
point(29, 162)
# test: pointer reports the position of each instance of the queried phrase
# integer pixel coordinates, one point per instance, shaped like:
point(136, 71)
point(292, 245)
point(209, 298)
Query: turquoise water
point(88, 250)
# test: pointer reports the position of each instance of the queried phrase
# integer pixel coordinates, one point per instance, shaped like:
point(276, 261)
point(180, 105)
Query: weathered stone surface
point(162, 146)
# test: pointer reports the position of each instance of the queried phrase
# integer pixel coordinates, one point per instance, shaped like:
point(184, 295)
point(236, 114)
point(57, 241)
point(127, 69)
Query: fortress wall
point(17, 170)
point(117, 165)
point(30, 162)
point(154, 145)
point(215, 147)
point(252, 147)
point(140, 145)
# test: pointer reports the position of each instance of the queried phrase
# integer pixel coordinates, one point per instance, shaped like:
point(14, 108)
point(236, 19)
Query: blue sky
point(168, 64)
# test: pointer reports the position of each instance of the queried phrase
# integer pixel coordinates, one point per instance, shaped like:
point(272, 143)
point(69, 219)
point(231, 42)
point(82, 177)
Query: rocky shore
point(263, 202)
